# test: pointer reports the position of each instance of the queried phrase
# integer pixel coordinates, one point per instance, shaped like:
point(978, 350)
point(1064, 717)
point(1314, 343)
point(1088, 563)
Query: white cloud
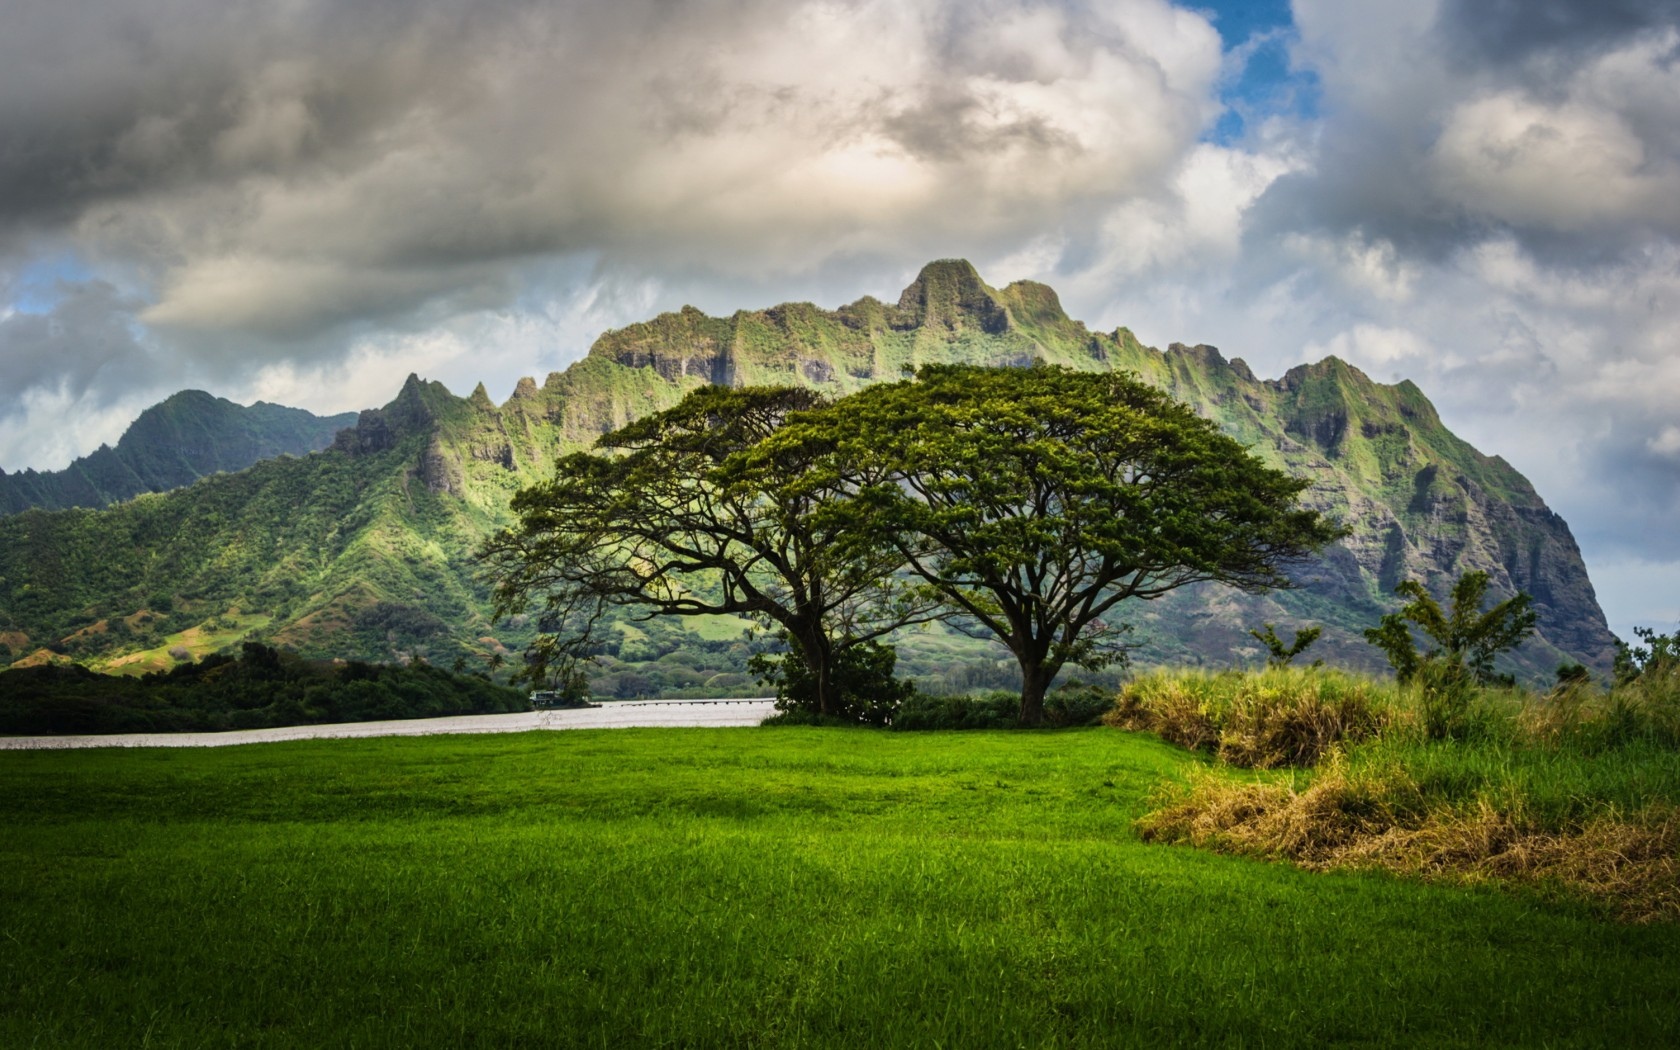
point(307, 207)
point(1666, 443)
point(755, 141)
point(1567, 167)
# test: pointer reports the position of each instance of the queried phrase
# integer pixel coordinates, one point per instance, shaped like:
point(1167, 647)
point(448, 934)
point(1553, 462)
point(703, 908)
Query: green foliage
point(695, 516)
point(1068, 706)
point(1034, 500)
point(1660, 655)
point(995, 710)
point(1465, 639)
point(862, 679)
point(1570, 673)
point(260, 688)
point(1280, 655)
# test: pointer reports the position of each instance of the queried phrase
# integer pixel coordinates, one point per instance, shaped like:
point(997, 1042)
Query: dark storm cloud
point(286, 170)
point(1505, 31)
point(85, 341)
point(278, 187)
point(154, 94)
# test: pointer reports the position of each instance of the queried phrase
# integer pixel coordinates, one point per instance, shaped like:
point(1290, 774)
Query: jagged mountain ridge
point(382, 566)
point(173, 443)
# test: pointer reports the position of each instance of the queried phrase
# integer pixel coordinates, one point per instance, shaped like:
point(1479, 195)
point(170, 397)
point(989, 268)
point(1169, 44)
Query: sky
point(302, 201)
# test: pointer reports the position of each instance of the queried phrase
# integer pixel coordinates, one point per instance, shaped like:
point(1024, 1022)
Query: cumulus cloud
point(305, 201)
point(346, 164)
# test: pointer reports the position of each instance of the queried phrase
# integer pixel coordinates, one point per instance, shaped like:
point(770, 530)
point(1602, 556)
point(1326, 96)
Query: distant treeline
point(260, 688)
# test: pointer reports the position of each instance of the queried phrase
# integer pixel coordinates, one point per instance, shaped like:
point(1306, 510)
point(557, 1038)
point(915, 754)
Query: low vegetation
point(1576, 789)
point(261, 687)
point(728, 888)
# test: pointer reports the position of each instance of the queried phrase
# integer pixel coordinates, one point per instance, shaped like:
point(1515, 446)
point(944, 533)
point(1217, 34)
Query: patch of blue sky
point(1260, 82)
point(40, 284)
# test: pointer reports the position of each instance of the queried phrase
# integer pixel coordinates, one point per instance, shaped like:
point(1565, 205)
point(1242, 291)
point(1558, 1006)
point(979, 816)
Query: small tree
point(1279, 655)
point(1466, 640)
point(1659, 655)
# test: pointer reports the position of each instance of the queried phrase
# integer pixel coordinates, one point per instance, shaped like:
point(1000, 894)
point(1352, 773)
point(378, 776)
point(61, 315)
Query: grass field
point(755, 887)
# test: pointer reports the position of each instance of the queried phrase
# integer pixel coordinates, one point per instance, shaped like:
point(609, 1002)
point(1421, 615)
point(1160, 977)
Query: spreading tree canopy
point(670, 517)
point(1035, 500)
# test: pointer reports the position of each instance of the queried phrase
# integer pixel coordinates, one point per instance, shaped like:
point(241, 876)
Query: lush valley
point(366, 549)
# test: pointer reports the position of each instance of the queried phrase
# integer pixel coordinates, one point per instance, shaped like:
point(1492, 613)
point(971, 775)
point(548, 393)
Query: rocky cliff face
point(433, 473)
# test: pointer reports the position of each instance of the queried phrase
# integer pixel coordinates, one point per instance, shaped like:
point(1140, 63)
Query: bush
point(259, 688)
point(1078, 704)
point(863, 677)
point(995, 710)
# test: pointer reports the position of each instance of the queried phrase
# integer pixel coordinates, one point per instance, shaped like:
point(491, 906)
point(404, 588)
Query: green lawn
point(768, 887)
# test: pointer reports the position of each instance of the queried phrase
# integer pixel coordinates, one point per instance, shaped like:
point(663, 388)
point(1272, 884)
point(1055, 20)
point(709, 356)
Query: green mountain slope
point(365, 549)
point(171, 444)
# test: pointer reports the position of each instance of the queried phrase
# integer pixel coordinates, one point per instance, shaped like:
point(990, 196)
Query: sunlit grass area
point(194, 643)
point(768, 887)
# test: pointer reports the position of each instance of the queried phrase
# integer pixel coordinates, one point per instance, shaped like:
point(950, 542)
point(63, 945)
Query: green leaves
point(701, 510)
point(1466, 640)
point(1034, 500)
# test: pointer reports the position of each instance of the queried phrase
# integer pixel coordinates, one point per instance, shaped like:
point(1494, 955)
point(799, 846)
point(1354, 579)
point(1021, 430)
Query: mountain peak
point(949, 293)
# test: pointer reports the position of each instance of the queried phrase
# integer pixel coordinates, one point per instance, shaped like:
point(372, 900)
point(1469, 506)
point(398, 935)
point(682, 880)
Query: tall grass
point(1259, 720)
point(1577, 788)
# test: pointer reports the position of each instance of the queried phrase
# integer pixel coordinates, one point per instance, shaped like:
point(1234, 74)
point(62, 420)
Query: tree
point(1466, 640)
point(1280, 655)
point(1660, 655)
point(673, 517)
point(1035, 500)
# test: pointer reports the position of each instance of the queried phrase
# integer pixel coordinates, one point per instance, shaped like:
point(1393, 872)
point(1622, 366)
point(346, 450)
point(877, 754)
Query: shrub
point(1466, 640)
point(1077, 704)
point(1280, 655)
point(863, 677)
point(994, 710)
point(1382, 816)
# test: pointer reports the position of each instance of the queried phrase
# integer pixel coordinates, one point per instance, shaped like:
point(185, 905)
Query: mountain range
point(364, 549)
point(171, 444)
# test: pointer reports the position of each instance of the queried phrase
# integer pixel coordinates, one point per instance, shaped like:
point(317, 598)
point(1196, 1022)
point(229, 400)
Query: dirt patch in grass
point(98, 627)
point(41, 658)
point(1629, 860)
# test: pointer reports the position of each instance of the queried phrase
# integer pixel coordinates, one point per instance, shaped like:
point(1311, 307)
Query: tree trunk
point(819, 660)
point(1035, 680)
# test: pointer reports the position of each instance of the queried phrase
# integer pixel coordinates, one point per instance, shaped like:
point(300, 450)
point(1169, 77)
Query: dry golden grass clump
point(1277, 717)
point(1577, 788)
point(1344, 820)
